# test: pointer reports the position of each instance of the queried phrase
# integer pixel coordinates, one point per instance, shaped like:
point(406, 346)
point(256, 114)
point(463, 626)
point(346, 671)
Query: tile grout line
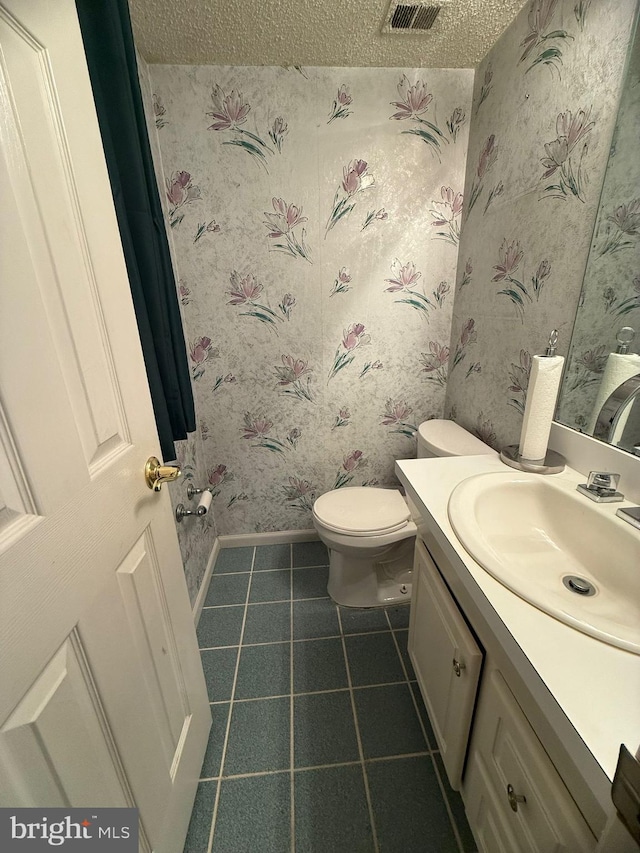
point(214, 816)
point(291, 713)
point(427, 742)
point(295, 640)
point(354, 763)
point(312, 692)
point(365, 778)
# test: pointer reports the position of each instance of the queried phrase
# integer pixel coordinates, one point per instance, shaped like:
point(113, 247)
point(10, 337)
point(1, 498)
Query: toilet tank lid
point(362, 510)
point(447, 438)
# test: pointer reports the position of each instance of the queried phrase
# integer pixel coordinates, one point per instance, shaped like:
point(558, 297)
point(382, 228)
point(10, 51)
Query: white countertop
point(597, 686)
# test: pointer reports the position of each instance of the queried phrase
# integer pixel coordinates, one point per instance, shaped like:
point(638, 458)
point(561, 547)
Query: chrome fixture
point(553, 462)
point(614, 407)
point(630, 514)
point(601, 487)
point(201, 509)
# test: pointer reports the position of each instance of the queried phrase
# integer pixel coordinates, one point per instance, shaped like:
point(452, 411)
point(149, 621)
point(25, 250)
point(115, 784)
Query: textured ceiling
point(313, 32)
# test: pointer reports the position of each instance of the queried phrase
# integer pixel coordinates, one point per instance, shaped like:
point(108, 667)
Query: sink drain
point(578, 585)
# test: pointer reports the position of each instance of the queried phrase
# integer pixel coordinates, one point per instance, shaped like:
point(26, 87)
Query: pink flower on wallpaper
point(255, 427)
point(244, 289)
point(414, 100)
point(229, 111)
point(354, 336)
point(342, 418)
point(510, 256)
point(353, 460)
point(488, 156)
point(287, 304)
point(343, 97)
point(626, 217)
point(180, 189)
point(292, 369)
point(570, 129)
point(185, 293)
point(285, 218)
point(354, 177)
point(374, 216)
point(404, 276)
point(340, 103)
point(451, 200)
point(395, 412)
point(434, 363)
point(446, 214)
point(200, 350)
point(468, 335)
point(574, 127)
point(279, 129)
point(281, 226)
point(341, 283)
point(350, 464)
point(217, 475)
point(395, 415)
point(301, 494)
point(369, 366)
point(290, 376)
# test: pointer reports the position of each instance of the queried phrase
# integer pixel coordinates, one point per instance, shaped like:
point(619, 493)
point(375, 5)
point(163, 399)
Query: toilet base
point(367, 583)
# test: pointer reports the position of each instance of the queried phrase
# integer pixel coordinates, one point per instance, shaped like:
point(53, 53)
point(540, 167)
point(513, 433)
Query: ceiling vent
point(411, 17)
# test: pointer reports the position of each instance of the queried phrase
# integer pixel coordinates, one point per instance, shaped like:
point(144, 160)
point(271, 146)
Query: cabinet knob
point(458, 667)
point(514, 798)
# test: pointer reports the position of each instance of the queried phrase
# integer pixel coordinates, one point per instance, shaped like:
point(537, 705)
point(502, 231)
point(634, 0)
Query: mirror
point(605, 346)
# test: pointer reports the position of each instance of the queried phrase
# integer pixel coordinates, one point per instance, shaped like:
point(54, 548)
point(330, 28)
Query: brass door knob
point(156, 474)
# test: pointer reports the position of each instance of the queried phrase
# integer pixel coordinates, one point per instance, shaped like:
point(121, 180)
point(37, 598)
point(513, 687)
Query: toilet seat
point(362, 511)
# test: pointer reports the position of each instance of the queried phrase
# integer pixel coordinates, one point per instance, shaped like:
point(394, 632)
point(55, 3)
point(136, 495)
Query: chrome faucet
point(602, 487)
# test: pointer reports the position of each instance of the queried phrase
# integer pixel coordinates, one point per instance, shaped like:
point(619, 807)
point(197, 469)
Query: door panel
point(103, 699)
point(60, 716)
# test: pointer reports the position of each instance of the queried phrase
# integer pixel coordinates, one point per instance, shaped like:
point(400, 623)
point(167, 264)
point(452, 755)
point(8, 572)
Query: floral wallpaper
point(544, 107)
point(315, 216)
point(196, 536)
point(611, 295)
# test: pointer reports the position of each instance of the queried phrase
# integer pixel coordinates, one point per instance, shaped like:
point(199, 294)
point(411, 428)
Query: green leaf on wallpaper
point(550, 56)
point(426, 137)
point(250, 149)
point(558, 34)
point(434, 128)
point(414, 303)
point(514, 296)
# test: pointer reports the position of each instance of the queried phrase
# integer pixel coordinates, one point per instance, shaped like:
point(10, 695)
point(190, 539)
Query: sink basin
point(542, 540)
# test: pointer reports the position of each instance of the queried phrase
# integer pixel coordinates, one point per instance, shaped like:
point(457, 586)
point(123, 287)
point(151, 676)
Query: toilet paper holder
point(201, 509)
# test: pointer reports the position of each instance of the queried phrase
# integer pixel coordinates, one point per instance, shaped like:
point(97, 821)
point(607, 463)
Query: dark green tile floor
point(320, 742)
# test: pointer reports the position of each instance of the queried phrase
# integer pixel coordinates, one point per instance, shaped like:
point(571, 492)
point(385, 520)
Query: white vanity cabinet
point(514, 798)
point(447, 662)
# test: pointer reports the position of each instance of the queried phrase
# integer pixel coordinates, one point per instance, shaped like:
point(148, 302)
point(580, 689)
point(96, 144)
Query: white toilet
point(370, 532)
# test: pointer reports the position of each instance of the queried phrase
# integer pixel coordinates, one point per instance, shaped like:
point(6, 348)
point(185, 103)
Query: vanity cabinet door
point(447, 662)
point(507, 762)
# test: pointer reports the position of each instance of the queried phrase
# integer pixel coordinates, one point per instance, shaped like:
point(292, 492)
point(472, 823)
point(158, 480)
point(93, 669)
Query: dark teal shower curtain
point(108, 42)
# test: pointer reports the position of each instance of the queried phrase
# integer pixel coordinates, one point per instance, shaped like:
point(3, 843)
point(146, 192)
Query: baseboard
point(280, 537)
point(206, 580)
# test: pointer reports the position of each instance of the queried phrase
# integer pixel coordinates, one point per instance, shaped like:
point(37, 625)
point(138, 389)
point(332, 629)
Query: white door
point(102, 696)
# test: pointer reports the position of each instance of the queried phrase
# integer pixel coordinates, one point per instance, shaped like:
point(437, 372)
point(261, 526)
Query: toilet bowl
point(370, 532)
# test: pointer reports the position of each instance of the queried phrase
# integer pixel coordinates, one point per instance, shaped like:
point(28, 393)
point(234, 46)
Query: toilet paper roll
point(544, 381)
point(205, 502)
point(618, 369)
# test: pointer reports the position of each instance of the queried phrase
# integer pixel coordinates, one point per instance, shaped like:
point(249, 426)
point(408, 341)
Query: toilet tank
point(439, 437)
